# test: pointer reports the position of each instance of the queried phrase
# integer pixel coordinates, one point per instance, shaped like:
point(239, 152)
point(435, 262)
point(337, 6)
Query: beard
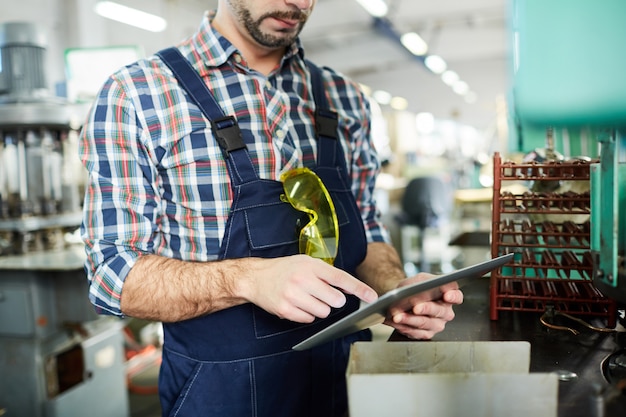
point(269, 40)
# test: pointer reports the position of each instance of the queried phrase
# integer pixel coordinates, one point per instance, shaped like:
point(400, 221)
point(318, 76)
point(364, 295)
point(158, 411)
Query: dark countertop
point(588, 394)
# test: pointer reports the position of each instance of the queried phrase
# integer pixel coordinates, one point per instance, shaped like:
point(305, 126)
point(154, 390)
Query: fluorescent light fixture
point(449, 77)
point(399, 103)
point(435, 63)
point(130, 16)
point(377, 8)
point(382, 97)
point(414, 43)
point(460, 87)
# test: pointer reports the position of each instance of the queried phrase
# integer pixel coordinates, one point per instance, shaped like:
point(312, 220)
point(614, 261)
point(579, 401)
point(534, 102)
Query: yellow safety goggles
point(306, 192)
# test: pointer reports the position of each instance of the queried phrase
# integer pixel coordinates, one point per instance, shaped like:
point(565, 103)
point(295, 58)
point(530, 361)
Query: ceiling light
point(460, 87)
point(450, 77)
point(414, 43)
point(382, 97)
point(130, 16)
point(435, 63)
point(399, 103)
point(377, 8)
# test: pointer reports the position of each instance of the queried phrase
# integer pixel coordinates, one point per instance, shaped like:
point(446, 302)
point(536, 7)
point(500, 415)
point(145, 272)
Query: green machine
point(567, 69)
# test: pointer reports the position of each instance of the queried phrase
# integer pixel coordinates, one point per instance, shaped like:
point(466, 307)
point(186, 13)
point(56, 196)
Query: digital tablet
point(374, 313)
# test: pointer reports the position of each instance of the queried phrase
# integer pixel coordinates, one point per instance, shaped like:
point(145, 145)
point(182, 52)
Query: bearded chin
point(266, 39)
point(271, 41)
point(276, 41)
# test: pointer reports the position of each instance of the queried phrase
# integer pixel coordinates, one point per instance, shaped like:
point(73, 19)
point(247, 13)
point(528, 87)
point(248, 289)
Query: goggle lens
point(306, 192)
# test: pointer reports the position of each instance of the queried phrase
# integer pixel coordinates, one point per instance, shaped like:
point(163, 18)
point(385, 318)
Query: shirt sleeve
point(365, 168)
point(120, 200)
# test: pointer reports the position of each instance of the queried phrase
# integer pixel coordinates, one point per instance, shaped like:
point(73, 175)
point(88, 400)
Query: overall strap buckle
point(227, 134)
point(326, 123)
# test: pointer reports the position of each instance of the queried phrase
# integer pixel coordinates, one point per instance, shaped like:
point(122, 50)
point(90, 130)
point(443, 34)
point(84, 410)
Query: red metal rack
point(549, 233)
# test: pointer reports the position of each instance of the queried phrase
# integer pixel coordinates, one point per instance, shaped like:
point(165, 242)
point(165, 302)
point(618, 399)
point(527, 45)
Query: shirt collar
point(212, 49)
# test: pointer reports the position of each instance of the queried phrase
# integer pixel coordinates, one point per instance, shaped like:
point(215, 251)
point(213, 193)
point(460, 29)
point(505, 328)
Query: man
point(186, 220)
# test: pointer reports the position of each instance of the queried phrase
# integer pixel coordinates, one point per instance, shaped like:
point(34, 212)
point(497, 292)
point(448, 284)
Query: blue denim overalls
point(238, 361)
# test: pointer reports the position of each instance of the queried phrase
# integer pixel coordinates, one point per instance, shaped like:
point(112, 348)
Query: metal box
point(57, 356)
point(469, 379)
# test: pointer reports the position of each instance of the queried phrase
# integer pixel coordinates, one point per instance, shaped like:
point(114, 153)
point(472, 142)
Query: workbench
point(585, 395)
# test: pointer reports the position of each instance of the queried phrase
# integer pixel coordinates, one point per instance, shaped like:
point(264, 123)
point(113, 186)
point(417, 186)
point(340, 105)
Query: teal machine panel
point(568, 62)
point(567, 71)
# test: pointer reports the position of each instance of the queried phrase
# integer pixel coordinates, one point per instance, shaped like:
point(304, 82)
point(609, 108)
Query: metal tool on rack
point(552, 266)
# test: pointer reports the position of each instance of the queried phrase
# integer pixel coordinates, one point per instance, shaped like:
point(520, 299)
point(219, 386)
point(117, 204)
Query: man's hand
point(300, 288)
point(426, 314)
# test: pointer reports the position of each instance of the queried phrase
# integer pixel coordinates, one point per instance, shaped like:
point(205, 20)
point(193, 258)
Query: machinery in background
point(57, 357)
point(41, 178)
point(608, 216)
point(548, 230)
point(568, 73)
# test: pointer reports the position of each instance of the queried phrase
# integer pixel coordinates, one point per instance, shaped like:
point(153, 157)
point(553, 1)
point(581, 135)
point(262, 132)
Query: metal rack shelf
point(549, 233)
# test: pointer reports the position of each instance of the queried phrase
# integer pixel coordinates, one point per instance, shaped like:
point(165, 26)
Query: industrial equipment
point(40, 174)
point(57, 357)
point(567, 73)
point(549, 233)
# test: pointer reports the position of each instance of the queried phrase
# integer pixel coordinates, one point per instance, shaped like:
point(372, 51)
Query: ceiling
point(470, 35)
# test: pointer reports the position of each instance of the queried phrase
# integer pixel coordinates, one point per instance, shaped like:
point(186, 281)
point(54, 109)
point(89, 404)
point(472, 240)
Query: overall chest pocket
point(272, 230)
point(272, 227)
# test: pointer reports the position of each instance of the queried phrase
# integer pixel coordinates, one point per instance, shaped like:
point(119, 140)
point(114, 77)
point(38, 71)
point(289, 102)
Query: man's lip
point(287, 22)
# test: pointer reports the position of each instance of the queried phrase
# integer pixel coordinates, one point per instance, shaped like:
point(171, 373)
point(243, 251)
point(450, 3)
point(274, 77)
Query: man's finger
point(347, 283)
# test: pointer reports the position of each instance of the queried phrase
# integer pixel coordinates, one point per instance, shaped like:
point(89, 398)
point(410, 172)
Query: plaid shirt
point(150, 155)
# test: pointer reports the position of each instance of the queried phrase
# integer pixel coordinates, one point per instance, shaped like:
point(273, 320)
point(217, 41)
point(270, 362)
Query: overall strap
point(329, 150)
point(225, 128)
